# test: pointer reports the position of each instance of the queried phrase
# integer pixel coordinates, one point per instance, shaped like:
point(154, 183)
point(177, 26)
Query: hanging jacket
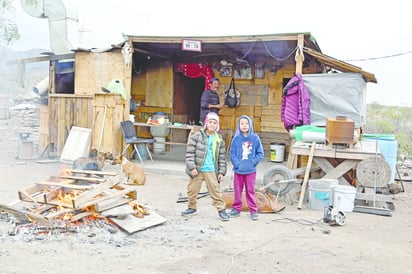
point(295, 109)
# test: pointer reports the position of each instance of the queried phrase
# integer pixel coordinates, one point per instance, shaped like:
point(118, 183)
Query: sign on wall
point(191, 45)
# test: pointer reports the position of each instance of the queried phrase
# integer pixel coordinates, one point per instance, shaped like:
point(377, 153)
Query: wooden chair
point(130, 138)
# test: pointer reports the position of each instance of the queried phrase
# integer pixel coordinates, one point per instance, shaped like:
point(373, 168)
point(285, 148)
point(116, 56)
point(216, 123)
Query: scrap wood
point(118, 212)
point(132, 224)
point(81, 215)
point(306, 177)
point(65, 185)
point(58, 213)
point(182, 199)
point(112, 203)
point(26, 216)
point(23, 195)
point(82, 178)
point(83, 200)
point(131, 192)
point(93, 172)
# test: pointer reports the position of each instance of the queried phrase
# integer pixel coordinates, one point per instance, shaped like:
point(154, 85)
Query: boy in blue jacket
point(246, 151)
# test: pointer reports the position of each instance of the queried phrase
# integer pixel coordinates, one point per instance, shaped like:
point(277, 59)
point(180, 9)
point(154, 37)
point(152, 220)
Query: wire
point(305, 223)
point(377, 58)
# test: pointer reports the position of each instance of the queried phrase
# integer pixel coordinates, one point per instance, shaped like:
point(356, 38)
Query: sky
point(373, 35)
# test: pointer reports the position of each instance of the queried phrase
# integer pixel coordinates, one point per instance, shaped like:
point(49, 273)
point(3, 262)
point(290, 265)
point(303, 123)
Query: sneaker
point(189, 212)
point(254, 216)
point(234, 213)
point(223, 215)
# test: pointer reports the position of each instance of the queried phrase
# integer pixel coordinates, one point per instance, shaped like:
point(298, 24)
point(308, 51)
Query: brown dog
point(265, 201)
point(134, 174)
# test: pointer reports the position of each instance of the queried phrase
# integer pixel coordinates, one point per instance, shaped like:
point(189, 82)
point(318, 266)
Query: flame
point(67, 197)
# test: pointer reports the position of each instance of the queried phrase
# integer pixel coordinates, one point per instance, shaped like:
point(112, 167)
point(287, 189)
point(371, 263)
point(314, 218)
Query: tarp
point(336, 94)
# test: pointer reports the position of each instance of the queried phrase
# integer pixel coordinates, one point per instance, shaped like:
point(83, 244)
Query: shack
point(168, 74)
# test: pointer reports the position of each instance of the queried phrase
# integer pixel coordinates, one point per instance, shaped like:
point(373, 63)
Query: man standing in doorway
point(210, 100)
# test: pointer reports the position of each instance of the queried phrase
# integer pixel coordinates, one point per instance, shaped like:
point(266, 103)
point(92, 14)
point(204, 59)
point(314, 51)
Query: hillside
point(34, 72)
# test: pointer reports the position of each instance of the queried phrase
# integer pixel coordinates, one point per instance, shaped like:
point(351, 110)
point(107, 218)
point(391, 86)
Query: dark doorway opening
point(186, 98)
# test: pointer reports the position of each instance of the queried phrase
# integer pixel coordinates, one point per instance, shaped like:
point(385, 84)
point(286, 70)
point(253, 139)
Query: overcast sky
point(378, 31)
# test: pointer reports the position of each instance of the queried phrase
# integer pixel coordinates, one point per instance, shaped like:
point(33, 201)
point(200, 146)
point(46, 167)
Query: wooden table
point(189, 128)
point(337, 160)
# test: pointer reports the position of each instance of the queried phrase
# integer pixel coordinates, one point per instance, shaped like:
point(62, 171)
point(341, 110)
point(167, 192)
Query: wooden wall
point(107, 114)
point(94, 70)
point(66, 111)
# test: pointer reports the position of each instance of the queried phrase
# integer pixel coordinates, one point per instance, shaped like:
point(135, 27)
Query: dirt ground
point(291, 241)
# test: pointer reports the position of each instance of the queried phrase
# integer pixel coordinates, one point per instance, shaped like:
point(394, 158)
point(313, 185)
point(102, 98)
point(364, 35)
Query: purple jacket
point(295, 103)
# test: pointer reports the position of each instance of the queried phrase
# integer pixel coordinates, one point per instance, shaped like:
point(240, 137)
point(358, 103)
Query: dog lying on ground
point(134, 174)
point(265, 201)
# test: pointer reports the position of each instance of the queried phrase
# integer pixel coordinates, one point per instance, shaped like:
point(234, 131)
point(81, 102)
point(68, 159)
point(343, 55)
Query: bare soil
point(291, 241)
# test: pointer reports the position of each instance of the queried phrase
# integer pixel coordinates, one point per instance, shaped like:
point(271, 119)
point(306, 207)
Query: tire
point(273, 175)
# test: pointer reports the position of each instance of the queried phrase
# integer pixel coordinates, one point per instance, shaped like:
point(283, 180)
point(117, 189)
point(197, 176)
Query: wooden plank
point(306, 177)
point(338, 171)
point(32, 191)
point(118, 211)
point(360, 151)
point(26, 216)
point(82, 178)
point(90, 198)
point(58, 213)
point(68, 186)
point(132, 224)
point(94, 172)
point(112, 203)
point(77, 144)
point(80, 216)
point(80, 200)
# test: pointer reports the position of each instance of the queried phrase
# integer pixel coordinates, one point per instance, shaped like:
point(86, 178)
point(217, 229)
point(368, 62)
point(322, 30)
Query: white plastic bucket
point(159, 148)
point(277, 152)
point(344, 197)
point(320, 193)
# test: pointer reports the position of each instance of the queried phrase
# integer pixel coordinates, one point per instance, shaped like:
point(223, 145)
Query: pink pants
point(247, 182)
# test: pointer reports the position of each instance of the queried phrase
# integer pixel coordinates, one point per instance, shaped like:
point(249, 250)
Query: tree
point(9, 32)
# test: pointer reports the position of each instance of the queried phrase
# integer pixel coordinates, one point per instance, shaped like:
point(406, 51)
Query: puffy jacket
point(196, 153)
point(295, 109)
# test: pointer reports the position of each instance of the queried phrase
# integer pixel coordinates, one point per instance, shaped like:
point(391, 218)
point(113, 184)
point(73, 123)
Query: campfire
point(75, 198)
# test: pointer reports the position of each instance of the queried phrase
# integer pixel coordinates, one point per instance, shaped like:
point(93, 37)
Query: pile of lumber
point(77, 194)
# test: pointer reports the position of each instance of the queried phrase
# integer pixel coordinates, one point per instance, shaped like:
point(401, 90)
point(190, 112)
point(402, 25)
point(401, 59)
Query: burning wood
point(72, 198)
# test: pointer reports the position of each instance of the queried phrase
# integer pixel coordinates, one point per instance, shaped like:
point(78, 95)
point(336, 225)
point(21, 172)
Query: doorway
point(186, 98)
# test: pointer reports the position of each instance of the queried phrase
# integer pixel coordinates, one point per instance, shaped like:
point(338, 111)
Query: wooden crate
point(340, 130)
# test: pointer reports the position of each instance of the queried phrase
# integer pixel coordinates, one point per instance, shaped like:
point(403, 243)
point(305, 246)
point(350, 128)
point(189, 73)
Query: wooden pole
point(307, 173)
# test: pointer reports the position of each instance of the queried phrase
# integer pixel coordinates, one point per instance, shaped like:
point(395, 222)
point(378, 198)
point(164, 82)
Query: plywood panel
point(94, 70)
point(159, 80)
point(77, 144)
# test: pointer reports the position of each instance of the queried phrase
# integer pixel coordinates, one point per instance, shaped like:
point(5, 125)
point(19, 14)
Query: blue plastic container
point(388, 146)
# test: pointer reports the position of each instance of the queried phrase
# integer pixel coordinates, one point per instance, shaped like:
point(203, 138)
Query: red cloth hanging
point(193, 70)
